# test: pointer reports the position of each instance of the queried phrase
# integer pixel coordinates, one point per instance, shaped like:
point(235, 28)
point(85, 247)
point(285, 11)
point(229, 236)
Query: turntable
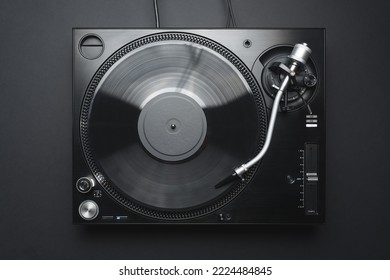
point(223, 126)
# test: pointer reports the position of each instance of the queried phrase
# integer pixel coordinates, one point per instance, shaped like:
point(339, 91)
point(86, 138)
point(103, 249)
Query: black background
point(36, 135)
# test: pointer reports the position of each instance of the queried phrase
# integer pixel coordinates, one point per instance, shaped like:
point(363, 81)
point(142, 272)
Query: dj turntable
point(223, 126)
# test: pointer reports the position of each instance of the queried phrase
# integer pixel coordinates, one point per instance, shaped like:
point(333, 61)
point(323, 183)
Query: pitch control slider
point(299, 56)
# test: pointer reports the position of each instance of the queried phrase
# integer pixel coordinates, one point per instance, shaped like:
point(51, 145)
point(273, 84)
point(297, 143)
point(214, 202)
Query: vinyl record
point(165, 119)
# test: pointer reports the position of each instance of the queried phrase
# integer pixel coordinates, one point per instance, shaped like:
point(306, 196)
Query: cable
point(231, 17)
point(156, 14)
point(228, 17)
point(232, 12)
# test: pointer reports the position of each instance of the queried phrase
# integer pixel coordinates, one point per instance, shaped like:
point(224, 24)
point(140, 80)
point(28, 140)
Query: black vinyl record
point(165, 119)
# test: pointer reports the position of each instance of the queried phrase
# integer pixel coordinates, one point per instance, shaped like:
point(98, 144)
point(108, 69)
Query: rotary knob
point(85, 184)
point(88, 210)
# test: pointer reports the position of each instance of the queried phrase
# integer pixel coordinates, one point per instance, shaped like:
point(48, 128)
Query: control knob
point(85, 184)
point(88, 210)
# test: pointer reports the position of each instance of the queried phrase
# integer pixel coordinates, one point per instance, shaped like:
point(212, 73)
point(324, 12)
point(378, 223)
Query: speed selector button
point(88, 210)
point(85, 184)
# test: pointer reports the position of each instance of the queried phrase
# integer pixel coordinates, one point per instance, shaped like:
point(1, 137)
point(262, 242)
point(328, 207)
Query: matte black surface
point(160, 191)
point(35, 121)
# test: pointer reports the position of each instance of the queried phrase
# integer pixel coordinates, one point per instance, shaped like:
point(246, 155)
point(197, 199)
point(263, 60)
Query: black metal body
point(279, 191)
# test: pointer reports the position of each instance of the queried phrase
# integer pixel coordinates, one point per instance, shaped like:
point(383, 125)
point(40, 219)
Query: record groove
point(91, 126)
